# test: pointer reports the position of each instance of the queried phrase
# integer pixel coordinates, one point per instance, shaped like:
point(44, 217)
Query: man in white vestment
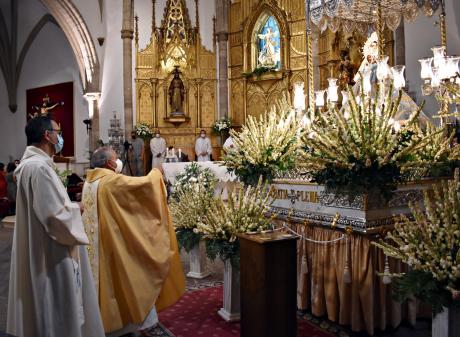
point(51, 291)
point(203, 147)
point(158, 148)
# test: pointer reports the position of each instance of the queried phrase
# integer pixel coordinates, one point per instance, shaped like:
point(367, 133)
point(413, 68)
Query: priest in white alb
point(203, 147)
point(133, 248)
point(51, 291)
point(158, 149)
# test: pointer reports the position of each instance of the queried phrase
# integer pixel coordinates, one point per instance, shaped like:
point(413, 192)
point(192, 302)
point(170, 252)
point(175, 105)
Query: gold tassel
point(346, 270)
point(386, 272)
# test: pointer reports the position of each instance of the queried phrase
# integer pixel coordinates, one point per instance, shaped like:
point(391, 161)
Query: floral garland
point(430, 245)
point(143, 130)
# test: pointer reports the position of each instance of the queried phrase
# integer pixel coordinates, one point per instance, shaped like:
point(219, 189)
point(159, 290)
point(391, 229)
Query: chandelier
point(441, 78)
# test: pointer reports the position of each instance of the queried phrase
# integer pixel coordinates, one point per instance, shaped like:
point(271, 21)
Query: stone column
point(127, 34)
point(94, 136)
point(222, 58)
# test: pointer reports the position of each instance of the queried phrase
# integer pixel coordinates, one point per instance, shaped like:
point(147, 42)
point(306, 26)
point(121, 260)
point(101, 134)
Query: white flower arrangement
point(143, 130)
point(222, 126)
point(192, 175)
point(245, 211)
point(430, 245)
point(267, 145)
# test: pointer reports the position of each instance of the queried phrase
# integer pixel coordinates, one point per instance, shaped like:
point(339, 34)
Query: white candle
point(180, 153)
point(172, 152)
point(167, 152)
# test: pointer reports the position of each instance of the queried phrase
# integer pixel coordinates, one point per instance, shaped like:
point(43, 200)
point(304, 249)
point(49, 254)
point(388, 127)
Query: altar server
point(158, 148)
point(203, 148)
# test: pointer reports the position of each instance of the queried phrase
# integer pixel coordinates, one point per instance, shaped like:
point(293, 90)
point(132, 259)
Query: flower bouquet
point(430, 244)
point(222, 126)
point(361, 149)
point(191, 198)
point(245, 212)
point(143, 130)
point(268, 145)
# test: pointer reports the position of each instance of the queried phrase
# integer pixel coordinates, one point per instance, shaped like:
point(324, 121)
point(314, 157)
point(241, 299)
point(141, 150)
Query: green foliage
point(259, 71)
point(187, 238)
point(376, 179)
point(426, 288)
point(224, 250)
point(63, 175)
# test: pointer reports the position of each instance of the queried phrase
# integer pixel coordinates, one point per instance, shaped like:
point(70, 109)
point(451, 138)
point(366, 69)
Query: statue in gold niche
point(176, 93)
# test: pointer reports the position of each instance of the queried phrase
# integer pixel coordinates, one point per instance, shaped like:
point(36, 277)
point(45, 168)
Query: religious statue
point(45, 108)
point(345, 70)
point(268, 56)
point(176, 93)
point(370, 58)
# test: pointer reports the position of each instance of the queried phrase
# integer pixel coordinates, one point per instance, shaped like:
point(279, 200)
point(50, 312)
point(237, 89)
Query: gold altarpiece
point(251, 94)
point(176, 43)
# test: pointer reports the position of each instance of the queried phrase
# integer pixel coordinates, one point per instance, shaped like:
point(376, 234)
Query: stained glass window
point(268, 44)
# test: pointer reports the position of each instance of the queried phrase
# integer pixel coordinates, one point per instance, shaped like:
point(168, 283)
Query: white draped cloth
point(203, 145)
point(51, 290)
point(158, 148)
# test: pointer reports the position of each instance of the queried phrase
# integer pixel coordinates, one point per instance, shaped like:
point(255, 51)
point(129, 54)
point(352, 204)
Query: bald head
point(102, 156)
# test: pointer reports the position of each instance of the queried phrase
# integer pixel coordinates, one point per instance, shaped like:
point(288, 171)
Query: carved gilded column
point(222, 43)
point(127, 34)
point(154, 82)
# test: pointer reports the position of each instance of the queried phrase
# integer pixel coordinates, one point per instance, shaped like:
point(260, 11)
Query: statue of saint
point(176, 93)
point(268, 56)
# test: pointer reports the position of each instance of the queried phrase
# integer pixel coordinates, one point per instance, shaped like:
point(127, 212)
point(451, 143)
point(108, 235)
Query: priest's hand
point(158, 155)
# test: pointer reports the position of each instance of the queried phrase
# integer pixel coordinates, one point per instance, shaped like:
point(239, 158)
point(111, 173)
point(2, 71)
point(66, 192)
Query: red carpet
point(195, 315)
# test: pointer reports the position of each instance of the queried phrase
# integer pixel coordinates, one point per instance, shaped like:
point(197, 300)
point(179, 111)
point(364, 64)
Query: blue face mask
point(59, 145)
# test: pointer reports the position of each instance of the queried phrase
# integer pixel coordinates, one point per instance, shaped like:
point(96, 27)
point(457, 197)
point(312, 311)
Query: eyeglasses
point(58, 131)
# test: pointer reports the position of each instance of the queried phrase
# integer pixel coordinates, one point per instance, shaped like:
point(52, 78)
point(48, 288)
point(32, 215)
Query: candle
point(172, 152)
point(180, 153)
point(167, 153)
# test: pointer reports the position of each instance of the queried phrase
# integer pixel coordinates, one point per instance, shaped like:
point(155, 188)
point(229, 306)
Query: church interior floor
point(422, 328)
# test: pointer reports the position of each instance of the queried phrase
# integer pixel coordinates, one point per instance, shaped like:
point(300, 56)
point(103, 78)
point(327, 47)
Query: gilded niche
point(176, 79)
point(266, 54)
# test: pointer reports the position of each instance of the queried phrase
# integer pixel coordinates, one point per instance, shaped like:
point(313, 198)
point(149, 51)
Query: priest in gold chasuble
point(133, 249)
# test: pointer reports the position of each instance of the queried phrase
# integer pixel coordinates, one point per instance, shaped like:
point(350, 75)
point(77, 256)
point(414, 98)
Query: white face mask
point(119, 166)
point(202, 135)
point(157, 135)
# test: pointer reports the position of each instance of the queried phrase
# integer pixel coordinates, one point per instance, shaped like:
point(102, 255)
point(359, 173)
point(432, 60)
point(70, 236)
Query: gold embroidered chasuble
point(133, 248)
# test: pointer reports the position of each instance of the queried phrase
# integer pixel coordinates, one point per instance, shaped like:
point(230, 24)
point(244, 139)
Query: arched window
point(268, 44)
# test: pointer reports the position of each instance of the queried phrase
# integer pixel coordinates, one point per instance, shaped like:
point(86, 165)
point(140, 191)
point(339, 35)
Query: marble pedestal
point(198, 264)
point(231, 306)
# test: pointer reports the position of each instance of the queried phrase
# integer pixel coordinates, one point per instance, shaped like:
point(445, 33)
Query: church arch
point(75, 29)
point(266, 11)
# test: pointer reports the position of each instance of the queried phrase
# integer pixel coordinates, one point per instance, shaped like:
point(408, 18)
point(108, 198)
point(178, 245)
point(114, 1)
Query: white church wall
point(420, 36)
point(112, 71)
point(50, 60)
